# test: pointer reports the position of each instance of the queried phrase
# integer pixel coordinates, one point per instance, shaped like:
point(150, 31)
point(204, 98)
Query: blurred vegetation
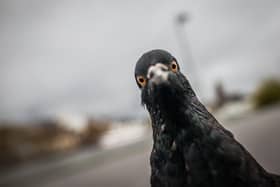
point(93, 132)
point(24, 142)
point(267, 93)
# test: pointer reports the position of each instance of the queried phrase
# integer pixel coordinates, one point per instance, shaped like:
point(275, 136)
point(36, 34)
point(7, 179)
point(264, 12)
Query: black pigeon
point(190, 147)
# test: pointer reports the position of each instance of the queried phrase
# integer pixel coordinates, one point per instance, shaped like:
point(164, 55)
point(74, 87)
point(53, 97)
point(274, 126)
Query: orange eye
point(141, 80)
point(174, 66)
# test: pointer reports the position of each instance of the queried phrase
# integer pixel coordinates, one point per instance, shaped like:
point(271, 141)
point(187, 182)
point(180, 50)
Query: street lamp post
point(180, 21)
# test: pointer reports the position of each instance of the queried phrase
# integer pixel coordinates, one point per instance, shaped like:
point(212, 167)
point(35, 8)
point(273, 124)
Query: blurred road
point(129, 172)
point(258, 132)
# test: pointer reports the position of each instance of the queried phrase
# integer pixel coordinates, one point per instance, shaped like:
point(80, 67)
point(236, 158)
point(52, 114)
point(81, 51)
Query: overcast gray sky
point(78, 57)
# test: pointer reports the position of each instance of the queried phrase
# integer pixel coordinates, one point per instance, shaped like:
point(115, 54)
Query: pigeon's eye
point(141, 80)
point(174, 66)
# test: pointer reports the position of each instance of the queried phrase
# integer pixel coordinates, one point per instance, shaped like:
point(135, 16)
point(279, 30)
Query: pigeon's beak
point(157, 74)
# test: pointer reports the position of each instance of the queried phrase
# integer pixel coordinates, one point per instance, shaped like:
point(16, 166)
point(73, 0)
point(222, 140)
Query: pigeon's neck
point(178, 109)
point(190, 116)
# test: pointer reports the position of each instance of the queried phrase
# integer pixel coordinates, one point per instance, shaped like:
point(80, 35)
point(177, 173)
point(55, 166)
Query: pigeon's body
point(190, 147)
point(196, 151)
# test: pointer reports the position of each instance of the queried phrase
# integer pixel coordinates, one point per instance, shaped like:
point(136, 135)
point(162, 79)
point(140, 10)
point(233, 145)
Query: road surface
point(258, 132)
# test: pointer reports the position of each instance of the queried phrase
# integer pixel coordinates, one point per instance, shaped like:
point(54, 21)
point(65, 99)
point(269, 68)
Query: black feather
point(190, 147)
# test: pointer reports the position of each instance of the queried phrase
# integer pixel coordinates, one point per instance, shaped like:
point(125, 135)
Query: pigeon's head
point(158, 75)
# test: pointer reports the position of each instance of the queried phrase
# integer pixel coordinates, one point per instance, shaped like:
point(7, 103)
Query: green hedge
point(267, 93)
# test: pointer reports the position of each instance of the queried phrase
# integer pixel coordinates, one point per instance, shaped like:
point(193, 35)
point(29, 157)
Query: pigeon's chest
point(177, 161)
point(167, 162)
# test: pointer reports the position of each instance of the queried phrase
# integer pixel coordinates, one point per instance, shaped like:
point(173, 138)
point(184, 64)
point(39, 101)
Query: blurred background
point(70, 112)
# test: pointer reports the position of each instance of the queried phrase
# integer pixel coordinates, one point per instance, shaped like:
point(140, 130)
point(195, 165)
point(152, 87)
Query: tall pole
point(180, 21)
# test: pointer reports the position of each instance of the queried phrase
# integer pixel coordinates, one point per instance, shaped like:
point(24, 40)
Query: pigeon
point(190, 147)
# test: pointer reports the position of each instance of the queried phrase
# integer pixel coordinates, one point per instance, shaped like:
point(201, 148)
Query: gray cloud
point(78, 57)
